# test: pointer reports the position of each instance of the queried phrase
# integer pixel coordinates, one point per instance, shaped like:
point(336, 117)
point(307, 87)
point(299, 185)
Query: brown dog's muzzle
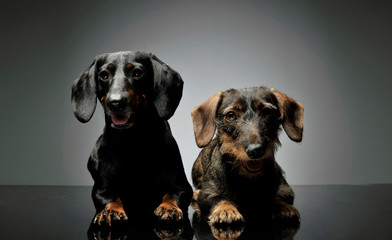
point(255, 150)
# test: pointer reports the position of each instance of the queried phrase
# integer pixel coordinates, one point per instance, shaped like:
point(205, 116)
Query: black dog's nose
point(116, 105)
point(255, 150)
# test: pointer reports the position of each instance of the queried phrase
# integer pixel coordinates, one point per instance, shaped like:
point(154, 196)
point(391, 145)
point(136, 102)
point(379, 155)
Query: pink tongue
point(254, 165)
point(120, 119)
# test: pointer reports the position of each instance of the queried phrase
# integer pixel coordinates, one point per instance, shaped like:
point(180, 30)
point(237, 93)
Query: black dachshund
point(236, 174)
point(136, 164)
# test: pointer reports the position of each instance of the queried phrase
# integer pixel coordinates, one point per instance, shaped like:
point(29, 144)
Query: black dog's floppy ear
point(292, 113)
point(84, 95)
point(203, 118)
point(168, 87)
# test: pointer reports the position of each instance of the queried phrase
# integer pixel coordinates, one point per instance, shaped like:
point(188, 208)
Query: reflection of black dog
point(236, 173)
point(178, 230)
point(136, 164)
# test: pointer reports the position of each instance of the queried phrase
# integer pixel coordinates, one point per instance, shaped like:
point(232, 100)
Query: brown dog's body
point(236, 173)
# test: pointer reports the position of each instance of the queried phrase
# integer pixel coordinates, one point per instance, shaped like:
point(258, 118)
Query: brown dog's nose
point(255, 150)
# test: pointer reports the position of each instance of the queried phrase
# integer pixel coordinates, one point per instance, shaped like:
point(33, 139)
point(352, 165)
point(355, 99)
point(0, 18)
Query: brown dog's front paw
point(284, 211)
point(225, 212)
point(168, 210)
point(112, 214)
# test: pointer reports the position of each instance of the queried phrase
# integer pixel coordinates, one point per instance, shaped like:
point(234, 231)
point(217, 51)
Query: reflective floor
point(327, 212)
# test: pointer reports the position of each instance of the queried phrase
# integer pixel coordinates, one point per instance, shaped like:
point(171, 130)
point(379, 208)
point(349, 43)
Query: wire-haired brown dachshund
point(236, 173)
point(136, 164)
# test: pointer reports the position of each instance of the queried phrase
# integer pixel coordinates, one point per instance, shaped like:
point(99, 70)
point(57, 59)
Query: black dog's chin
point(122, 126)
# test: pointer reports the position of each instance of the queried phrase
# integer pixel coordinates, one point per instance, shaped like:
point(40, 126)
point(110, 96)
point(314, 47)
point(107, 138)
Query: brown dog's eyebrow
point(229, 109)
point(235, 107)
point(128, 65)
point(239, 104)
point(269, 105)
point(110, 66)
point(262, 104)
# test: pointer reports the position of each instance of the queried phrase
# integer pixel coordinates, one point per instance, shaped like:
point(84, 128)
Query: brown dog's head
point(248, 123)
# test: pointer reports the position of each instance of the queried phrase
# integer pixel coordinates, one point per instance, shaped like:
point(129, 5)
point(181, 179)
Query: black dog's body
point(136, 164)
point(236, 173)
point(139, 166)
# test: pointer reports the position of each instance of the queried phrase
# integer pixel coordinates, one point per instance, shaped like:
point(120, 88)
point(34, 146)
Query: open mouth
point(253, 165)
point(120, 120)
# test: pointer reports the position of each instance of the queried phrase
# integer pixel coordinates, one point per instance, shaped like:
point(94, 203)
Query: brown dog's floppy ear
point(203, 117)
point(168, 87)
point(84, 95)
point(292, 113)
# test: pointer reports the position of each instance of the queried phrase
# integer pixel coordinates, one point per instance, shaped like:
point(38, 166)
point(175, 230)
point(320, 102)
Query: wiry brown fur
point(236, 173)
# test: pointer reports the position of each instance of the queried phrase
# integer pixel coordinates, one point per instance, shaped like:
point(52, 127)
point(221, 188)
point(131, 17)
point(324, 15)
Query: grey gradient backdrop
point(332, 56)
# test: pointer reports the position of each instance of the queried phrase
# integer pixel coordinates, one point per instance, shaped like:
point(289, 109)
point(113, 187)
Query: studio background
point(334, 57)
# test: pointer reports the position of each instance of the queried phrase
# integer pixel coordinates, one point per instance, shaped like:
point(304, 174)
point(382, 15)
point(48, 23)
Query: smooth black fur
point(137, 161)
point(221, 173)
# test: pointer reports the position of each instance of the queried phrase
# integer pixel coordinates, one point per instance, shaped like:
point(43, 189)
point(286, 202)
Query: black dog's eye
point(137, 72)
point(104, 75)
point(231, 116)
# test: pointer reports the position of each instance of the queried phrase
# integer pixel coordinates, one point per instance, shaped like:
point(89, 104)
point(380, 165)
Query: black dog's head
point(124, 83)
point(248, 123)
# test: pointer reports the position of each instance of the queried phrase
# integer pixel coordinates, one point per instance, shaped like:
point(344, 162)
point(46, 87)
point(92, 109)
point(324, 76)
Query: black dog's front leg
point(169, 209)
point(175, 203)
point(178, 192)
point(109, 207)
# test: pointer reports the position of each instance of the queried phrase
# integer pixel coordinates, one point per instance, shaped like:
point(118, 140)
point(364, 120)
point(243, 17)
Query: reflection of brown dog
point(236, 172)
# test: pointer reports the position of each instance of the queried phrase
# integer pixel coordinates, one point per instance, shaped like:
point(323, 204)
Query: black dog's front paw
point(112, 214)
point(168, 233)
point(110, 217)
point(106, 234)
point(168, 212)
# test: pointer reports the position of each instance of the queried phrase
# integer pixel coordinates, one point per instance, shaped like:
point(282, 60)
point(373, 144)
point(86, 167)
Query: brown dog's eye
point(267, 111)
point(104, 75)
point(231, 116)
point(137, 72)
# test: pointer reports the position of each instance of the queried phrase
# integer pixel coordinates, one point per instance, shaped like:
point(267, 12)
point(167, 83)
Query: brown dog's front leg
point(284, 211)
point(225, 212)
point(113, 212)
point(169, 209)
